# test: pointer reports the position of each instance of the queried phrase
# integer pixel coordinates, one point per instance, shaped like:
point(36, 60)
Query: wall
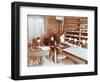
point(52, 26)
point(37, 24)
point(5, 40)
point(35, 27)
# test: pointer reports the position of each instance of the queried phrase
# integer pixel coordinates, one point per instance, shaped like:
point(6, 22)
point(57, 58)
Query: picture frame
point(23, 12)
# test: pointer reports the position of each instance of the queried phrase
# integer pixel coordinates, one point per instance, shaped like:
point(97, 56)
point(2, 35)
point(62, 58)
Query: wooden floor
point(39, 59)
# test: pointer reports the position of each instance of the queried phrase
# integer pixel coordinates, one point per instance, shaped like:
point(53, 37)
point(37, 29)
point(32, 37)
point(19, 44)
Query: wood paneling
point(52, 26)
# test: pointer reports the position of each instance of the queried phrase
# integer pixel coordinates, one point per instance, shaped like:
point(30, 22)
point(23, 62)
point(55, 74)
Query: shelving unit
point(76, 31)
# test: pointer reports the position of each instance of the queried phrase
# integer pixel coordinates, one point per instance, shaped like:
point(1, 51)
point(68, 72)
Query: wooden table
point(77, 54)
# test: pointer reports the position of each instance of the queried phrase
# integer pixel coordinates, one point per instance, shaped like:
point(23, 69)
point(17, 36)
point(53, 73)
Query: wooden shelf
point(84, 32)
point(76, 29)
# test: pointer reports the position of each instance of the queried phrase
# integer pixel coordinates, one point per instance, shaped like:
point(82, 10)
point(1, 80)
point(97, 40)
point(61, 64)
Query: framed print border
point(15, 39)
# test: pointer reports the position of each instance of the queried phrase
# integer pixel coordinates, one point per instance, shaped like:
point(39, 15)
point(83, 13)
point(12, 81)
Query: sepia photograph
point(56, 40)
point(53, 40)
